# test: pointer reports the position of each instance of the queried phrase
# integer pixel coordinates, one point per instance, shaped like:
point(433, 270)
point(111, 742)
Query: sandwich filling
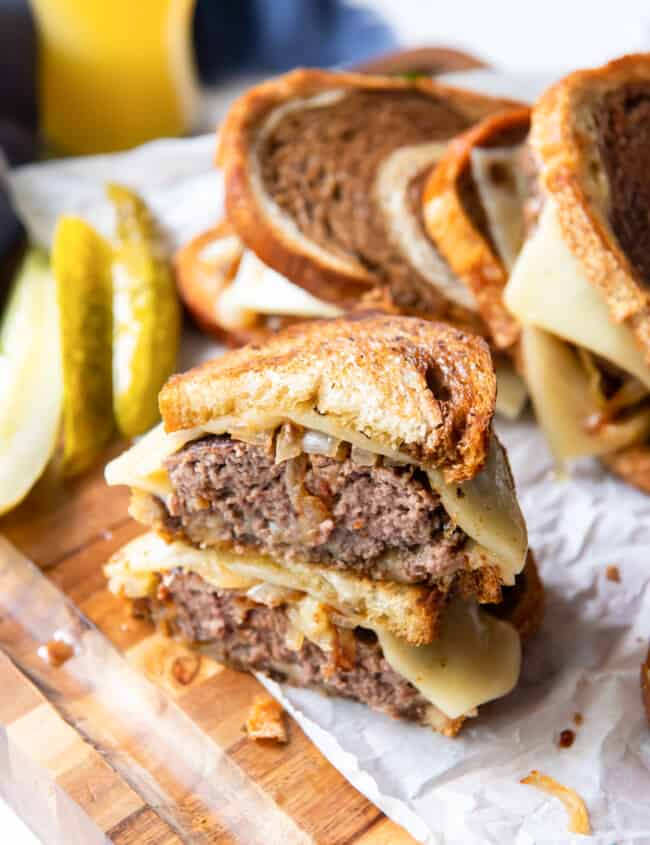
point(377, 520)
point(588, 378)
point(294, 636)
point(317, 555)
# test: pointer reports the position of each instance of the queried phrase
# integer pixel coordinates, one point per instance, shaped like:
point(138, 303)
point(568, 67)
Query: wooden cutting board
point(70, 531)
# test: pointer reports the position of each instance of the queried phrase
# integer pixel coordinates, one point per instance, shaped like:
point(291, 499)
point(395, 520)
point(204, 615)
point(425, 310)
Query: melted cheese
point(563, 401)
point(476, 659)
point(257, 289)
point(485, 507)
point(502, 198)
point(548, 289)
point(512, 392)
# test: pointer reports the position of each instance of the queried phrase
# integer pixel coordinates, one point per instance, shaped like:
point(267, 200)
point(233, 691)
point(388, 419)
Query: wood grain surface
point(70, 530)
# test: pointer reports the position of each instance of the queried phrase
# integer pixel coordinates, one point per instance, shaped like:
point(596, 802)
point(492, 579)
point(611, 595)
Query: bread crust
point(424, 388)
point(326, 279)
point(632, 465)
point(469, 253)
point(563, 145)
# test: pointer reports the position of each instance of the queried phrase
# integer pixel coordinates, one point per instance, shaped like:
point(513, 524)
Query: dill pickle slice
point(81, 261)
point(31, 387)
point(146, 314)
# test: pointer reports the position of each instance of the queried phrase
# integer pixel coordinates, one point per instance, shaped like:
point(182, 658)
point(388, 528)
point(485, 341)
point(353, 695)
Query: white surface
point(586, 659)
point(14, 830)
point(517, 36)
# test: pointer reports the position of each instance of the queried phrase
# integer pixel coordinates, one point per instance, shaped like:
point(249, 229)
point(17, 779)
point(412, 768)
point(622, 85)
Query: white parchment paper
point(586, 659)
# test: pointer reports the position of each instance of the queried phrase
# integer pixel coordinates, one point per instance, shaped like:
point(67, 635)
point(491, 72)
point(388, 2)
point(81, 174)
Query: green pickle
point(81, 262)
point(146, 314)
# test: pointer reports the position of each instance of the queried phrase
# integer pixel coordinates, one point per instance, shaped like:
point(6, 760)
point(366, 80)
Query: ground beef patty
point(381, 521)
point(624, 132)
point(320, 164)
point(253, 637)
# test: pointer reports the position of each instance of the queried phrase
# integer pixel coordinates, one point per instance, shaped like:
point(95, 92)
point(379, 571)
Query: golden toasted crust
point(564, 144)
point(421, 387)
point(467, 249)
point(326, 279)
point(632, 465)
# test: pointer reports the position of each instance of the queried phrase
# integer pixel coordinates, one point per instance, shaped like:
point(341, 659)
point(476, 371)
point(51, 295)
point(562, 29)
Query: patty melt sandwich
point(323, 182)
point(581, 284)
point(332, 508)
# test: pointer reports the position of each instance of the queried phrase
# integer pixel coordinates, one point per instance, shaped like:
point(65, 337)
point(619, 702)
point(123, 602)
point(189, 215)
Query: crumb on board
point(578, 719)
point(266, 720)
point(575, 806)
point(56, 652)
point(612, 573)
point(186, 668)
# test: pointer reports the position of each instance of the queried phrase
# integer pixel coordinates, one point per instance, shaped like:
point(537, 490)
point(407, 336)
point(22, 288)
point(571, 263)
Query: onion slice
point(288, 443)
point(319, 443)
point(578, 815)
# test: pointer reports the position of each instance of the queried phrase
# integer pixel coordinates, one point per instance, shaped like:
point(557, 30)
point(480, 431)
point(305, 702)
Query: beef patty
point(320, 164)
point(624, 135)
point(381, 521)
point(253, 637)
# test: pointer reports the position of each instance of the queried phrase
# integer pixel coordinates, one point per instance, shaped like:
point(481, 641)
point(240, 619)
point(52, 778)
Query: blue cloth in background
point(236, 36)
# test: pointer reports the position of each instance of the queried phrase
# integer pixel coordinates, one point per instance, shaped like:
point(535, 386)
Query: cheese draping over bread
point(548, 289)
point(475, 659)
point(485, 507)
point(558, 306)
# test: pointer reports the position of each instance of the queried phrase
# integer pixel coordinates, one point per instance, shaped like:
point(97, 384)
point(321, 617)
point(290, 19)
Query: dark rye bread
point(302, 182)
point(421, 387)
point(590, 140)
point(252, 637)
point(456, 220)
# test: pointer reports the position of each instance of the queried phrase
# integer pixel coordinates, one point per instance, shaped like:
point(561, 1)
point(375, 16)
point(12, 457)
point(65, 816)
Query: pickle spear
point(81, 261)
point(31, 387)
point(146, 312)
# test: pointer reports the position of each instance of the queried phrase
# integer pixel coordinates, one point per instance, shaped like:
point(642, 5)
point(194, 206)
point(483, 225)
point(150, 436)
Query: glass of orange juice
point(114, 73)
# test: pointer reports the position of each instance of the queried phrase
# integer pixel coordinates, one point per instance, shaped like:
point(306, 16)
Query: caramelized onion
point(262, 439)
point(271, 595)
point(363, 457)
point(578, 815)
point(288, 442)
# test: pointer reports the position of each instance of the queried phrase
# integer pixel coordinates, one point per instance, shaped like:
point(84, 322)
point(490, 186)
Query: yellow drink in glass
point(114, 73)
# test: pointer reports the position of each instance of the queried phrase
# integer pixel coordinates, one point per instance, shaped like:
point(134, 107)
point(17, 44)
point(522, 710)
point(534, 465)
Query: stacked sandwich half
point(332, 508)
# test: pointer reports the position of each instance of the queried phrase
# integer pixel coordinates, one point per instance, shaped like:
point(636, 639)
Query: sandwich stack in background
point(323, 180)
point(580, 287)
point(331, 507)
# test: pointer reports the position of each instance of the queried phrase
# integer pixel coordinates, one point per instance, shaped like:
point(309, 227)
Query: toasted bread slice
point(589, 140)
point(323, 176)
point(420, 387)
point(461, 226)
